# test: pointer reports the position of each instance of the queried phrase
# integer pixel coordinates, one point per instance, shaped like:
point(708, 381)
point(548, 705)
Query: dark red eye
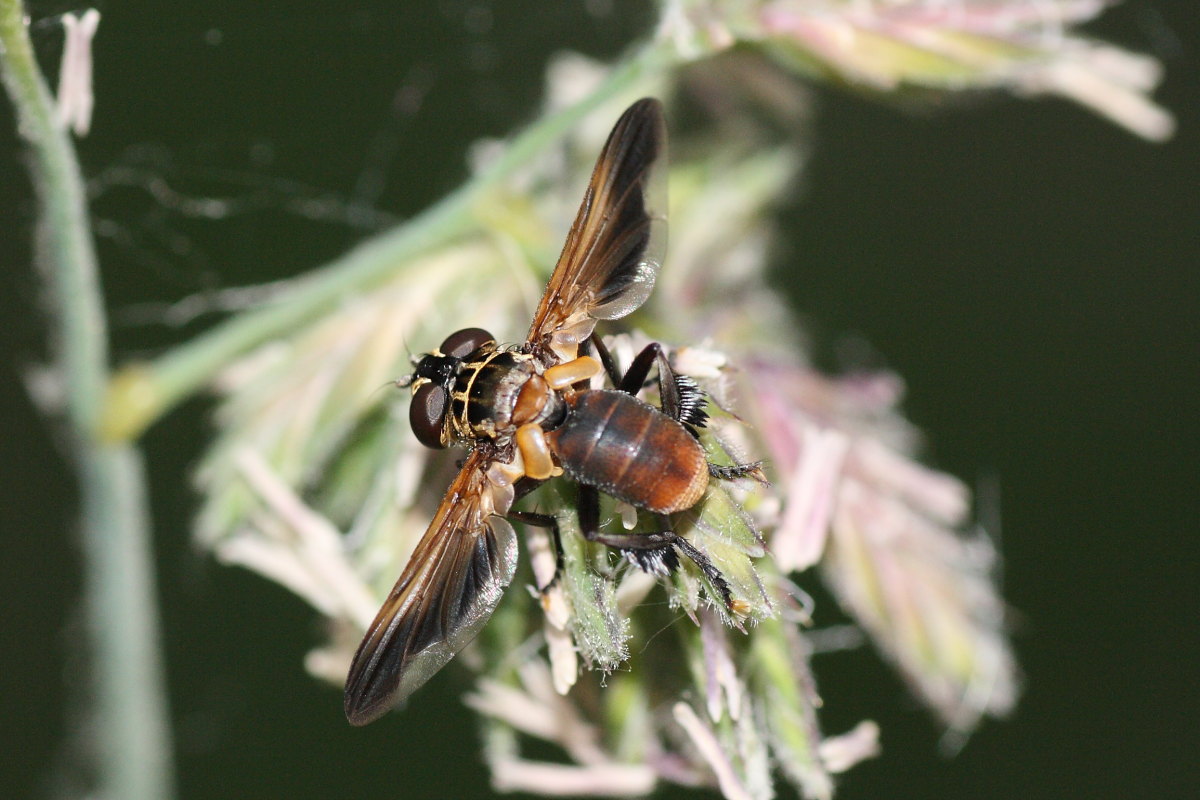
point(427, 414)
point(462, 343)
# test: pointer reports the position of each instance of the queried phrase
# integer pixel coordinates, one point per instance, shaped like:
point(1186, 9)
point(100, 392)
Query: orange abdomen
point(630, 450)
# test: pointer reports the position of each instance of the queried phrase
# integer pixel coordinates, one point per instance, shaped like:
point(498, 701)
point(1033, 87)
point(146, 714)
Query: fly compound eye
point(427, 414)
point(462, 343)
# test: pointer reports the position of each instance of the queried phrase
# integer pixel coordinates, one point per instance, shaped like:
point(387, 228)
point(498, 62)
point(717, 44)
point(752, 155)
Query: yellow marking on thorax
point(475, 367)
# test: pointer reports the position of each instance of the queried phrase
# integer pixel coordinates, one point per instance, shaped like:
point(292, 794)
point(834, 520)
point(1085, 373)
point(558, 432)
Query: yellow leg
point(563, 375)
point(535, 451)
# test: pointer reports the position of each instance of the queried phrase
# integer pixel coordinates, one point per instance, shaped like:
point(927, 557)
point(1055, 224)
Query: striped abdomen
point(630, 450)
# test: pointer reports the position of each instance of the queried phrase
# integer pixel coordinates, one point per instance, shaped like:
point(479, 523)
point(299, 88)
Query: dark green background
point(1030, 270)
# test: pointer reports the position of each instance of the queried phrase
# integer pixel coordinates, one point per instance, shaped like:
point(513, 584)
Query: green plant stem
point(130, 728)
point(143, 392)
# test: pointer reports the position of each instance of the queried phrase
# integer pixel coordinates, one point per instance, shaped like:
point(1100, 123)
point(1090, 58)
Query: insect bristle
point(692, 400)
point(661, 562)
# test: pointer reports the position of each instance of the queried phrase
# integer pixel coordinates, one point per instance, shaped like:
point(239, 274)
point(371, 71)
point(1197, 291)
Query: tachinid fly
point(525, 413)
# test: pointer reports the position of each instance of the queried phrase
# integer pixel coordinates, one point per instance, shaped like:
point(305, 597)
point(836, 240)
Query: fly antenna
point(382, 386)
point(413, 358)
point(405, 381)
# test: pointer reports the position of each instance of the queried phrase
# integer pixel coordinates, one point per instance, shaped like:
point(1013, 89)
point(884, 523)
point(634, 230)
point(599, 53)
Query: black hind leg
point(523, 487)
point(549, 522)
point(732, 472)
point(639, 370)
point(606, 359)
point(653, 552)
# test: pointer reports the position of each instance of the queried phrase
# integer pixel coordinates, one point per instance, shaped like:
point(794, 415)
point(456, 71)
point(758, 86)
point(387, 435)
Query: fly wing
point(448, 590)
point(615, 247)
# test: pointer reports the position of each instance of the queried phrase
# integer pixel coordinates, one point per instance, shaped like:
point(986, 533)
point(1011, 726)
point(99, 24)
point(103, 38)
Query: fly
point(526, 415)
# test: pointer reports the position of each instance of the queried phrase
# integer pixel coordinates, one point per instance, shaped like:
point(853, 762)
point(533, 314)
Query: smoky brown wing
point(615, 247)
point(445, 595)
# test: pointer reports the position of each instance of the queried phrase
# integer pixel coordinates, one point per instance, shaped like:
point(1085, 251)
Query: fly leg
point(679, 396)
point(654, 551)
point(635, 377)
point(714, 575)
point(549, 522)
point(610, 366)
point(523, 487)
point(731, 472)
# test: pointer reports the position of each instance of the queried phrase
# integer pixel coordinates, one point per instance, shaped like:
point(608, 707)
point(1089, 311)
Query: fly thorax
point(500, 390)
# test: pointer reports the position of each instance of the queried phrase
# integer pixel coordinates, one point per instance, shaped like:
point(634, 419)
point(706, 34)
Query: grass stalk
point(129, 718)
